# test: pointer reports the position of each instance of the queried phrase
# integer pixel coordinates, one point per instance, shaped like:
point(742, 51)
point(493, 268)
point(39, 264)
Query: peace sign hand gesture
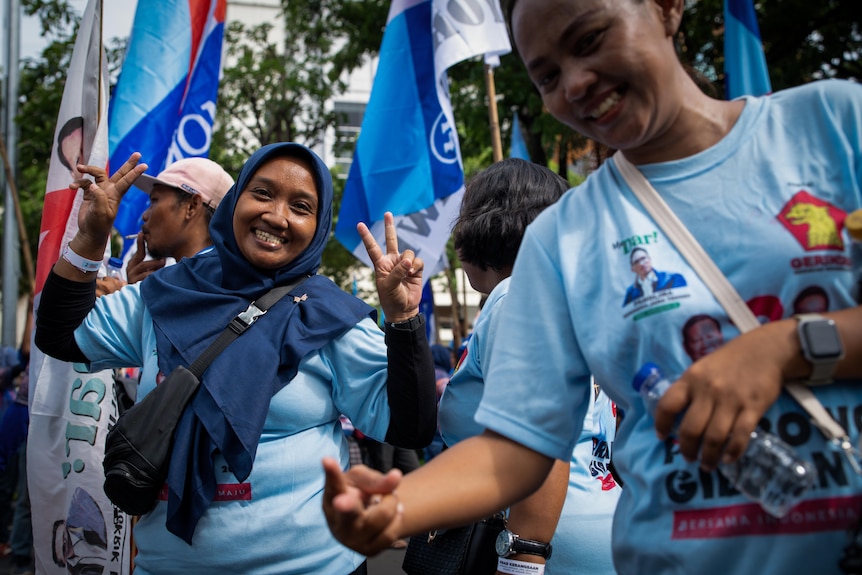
point(102, 198)
point(398, 275)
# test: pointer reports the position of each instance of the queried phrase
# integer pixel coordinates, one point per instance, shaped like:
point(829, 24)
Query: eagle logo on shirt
point(814, 223)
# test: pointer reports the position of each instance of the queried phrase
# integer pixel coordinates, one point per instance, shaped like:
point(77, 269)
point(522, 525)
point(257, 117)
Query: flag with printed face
point(76, 529)
point(745, 71)
point(407, 159)
point(165, 100)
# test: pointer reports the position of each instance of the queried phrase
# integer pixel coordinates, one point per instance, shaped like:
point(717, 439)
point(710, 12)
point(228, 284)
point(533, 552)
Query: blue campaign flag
point(519, 146)
point(165, 100)
point(745, 71)
point(407, 160)
point(426, 306)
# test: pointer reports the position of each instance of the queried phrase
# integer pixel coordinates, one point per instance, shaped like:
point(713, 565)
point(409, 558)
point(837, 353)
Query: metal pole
point(11, 244)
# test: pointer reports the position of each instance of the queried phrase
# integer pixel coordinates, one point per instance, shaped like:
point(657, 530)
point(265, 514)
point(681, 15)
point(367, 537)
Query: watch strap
point(822, 368)
point(532, 547)
point(411, 324)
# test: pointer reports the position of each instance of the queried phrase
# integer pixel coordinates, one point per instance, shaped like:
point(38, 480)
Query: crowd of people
point(319, 438)
point(16, 534)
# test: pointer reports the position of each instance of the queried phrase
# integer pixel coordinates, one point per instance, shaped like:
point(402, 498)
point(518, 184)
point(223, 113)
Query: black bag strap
point(239, 324)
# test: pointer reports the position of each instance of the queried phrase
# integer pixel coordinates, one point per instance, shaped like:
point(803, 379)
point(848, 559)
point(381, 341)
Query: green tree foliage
point(545, 136)
point(272, 93)
point(803, 41)
point(276, 93)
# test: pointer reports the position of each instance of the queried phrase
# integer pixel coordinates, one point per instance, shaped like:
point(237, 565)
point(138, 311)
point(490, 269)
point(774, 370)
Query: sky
point(118, 16)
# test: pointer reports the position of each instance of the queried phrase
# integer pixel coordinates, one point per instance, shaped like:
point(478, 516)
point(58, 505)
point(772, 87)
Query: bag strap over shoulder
point(740, 314)
point(239, 324)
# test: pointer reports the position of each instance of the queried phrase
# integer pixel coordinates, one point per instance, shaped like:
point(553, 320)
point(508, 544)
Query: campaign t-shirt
point(768, 204)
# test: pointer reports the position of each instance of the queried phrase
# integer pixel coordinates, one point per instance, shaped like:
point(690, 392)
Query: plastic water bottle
point(769, 472)
point(115, 268)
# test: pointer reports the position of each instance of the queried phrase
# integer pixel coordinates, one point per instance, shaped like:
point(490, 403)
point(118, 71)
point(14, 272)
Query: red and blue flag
point(165, 100)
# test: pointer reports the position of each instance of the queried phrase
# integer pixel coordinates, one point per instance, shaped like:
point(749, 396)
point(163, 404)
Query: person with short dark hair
point(574, 508)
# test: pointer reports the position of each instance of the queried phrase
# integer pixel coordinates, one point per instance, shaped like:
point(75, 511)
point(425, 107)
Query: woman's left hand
point(398, 275)
point(725, 394)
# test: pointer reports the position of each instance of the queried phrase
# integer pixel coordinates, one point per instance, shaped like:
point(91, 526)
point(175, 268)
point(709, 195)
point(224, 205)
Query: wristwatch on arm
point(509, 543)
point(821, 346)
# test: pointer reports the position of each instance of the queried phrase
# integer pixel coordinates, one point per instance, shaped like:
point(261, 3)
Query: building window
point(346, 134)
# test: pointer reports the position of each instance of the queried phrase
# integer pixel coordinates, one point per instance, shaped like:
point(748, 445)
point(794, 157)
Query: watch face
point(504, 543)
point(822, 339)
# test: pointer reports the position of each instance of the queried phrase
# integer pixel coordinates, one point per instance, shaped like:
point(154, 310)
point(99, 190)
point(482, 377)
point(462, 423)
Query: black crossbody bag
point(467, 550)
point(138, 448)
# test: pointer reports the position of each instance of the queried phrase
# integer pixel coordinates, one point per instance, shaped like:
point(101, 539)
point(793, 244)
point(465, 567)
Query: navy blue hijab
point(193, 301)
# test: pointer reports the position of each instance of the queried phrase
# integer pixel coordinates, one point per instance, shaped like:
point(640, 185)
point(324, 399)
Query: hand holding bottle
point(720, 413)
point(769, 471)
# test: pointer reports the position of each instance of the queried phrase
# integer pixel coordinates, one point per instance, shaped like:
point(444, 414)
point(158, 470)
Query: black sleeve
point(63, 306)
point(411, 387)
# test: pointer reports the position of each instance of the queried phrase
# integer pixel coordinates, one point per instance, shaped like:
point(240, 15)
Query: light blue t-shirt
point(582, 541)
point(768, 204)
point(273, 521)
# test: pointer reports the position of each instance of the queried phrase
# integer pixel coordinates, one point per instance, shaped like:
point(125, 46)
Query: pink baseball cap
point(199, 176)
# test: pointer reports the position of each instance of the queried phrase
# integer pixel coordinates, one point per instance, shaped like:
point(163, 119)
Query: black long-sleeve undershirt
point(411, 388)
point(62, 308)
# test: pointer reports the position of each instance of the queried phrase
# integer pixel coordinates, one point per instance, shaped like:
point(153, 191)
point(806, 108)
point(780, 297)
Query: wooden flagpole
point(493, 119)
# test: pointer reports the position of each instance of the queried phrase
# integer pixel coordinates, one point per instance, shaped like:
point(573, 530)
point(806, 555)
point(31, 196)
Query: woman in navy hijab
point(244, 489)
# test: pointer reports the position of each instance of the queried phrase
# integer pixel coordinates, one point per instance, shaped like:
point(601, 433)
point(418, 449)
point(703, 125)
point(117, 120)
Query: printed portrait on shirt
point(701, 335)
point(812, 299)
point(647, 279)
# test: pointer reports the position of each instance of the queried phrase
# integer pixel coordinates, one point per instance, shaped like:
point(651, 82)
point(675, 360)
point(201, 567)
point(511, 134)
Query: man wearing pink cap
point(176, 224)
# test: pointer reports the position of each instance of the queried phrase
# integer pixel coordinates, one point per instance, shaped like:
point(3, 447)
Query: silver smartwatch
point(821, 346)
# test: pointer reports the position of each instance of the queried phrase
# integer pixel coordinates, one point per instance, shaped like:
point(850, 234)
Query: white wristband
point(80, 262)
point(519, 567)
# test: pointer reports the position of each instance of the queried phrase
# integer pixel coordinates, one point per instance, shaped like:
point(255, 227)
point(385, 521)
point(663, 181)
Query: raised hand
point(361, 506)
point(102, 198)
point(398, 275)
point(138, 268)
